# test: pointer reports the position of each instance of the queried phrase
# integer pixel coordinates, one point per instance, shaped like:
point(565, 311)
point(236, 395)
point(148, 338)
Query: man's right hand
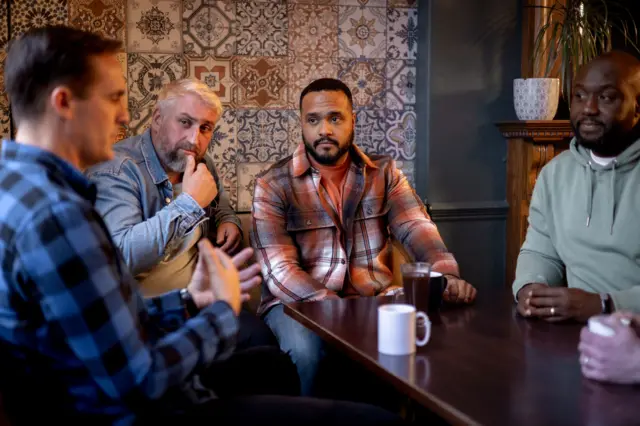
point(198, 182)
point(216, 278)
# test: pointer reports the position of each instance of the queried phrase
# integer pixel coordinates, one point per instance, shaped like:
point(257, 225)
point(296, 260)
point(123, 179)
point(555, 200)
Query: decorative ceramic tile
point(370, 130)
point(223, 145)
point(4, 28)
point(4, 102)
point(139, 122)
point(366, 79)
point(370, 3)
point(402, 33)
point(105, 17)
point(403, 3)
point(216, 73)
point(154, 26)
point(148, 73)
point(5, 132)
point(401, 135)
point(246, 173)
point(27, 14)
point(312, 30)
point(262, 29)
point(260, 82)
point(408, 168)
point(123, 131)
point(208, 27)
point(227, 173)
point(361, 32)
point(401, 84)
point(263, 135)
point(319, 2)
point(295, 129)
point(303, 71)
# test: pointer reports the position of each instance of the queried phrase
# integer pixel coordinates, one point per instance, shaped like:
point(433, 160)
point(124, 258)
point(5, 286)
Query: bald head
point(616, 65)
point(605, 103)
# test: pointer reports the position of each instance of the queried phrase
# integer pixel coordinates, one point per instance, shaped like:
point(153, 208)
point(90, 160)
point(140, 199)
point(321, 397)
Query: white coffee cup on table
point(397, 329)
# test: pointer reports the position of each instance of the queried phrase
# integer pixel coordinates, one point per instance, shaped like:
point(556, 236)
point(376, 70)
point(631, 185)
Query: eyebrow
point(599, 88)
point(316, 114)
point(184, 114)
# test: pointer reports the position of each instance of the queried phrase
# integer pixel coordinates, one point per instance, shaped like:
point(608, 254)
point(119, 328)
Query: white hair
point(179, 88)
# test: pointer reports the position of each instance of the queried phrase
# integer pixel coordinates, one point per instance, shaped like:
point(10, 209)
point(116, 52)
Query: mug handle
point(427, 326)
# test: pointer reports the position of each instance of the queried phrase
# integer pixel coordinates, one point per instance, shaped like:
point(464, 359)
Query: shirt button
point(167, 200)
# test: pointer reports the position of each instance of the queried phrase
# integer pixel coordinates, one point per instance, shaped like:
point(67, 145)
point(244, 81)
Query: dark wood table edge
point(438, 406)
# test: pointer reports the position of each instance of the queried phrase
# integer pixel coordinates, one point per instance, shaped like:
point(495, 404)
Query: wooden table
point(483, 365)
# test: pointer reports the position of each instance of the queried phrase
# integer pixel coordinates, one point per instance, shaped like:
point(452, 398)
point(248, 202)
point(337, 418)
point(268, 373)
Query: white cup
point(397, 329)
point(597, 326)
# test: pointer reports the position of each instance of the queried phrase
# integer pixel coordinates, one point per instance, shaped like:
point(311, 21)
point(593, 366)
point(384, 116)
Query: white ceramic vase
point(536, 98)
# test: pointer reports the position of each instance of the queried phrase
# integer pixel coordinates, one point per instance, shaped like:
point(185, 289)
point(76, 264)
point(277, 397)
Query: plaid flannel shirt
point(307, 252)
point(69, 304)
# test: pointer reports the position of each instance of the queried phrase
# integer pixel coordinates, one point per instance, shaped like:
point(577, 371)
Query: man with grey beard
point(160, 195)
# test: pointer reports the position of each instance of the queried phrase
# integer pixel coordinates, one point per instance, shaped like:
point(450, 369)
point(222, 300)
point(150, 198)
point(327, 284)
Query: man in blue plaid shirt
point(78, 341)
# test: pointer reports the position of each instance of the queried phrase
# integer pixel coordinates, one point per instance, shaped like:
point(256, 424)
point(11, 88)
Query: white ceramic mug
point(397, 329)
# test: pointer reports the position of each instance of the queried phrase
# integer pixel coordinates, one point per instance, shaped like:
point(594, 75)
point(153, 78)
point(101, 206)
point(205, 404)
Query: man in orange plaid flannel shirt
point(322, 219)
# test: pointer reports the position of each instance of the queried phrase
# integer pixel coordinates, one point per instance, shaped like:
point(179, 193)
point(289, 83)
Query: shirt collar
point(301, 163)
point(57, 167)
point(157, 172)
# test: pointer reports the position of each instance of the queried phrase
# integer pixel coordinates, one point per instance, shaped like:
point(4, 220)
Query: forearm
point(286, 280)
point(148, 242)
point(535, 267)
point(167, 310)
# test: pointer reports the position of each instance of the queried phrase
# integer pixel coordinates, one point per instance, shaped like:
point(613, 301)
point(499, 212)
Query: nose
point(591, 105)
point(325, 128)
point(123, 117)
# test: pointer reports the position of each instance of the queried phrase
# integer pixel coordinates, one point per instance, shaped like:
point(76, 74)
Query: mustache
point(187, 146)
point(325, 140)
point(590, 121)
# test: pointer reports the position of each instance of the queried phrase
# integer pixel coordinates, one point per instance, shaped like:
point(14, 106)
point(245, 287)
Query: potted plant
point(573, 33)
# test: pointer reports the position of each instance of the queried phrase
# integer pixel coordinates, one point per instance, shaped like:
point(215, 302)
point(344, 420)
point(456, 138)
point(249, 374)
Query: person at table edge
point(322, 220)
point(584, 215)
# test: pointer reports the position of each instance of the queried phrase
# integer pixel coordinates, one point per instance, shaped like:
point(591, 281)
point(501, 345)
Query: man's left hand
point(228, 237)
point(249, 276)
point(614, 359)
point(459, 291)
point(562, 303)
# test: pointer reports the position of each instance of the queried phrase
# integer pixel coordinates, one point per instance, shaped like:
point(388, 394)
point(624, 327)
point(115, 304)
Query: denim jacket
point(135, 198)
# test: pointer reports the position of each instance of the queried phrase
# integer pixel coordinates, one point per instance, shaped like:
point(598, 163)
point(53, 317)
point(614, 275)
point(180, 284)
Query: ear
point(353, 118)
point(60, 101)
point(156, 119)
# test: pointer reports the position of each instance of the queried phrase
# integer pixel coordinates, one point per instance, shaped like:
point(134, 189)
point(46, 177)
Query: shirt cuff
point(191, 209)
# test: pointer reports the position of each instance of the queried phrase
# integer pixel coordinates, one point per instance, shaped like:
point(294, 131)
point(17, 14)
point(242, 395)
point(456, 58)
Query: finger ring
point(553, 311)
point(585, 360)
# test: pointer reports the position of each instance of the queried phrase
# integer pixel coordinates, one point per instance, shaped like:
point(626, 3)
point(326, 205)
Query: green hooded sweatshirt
point(584, 220)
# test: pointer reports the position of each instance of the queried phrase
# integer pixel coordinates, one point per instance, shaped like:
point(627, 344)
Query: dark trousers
point(259, 385)
point(281, 411)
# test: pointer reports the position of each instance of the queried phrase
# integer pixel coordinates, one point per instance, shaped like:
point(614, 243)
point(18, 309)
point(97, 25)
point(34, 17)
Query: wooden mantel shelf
point(537, 130)
point(530, 146)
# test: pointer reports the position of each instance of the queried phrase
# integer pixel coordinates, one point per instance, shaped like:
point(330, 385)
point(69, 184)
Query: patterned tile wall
point(258, 55)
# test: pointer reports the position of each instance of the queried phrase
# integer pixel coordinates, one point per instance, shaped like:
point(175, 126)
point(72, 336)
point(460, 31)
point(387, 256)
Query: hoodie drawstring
point(589, 170)
point(589, 192)
point(613, 195)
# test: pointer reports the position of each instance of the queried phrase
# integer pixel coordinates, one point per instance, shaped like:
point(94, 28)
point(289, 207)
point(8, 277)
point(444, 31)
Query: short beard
point(175, 160)
point(613, 142)
point(327, 159)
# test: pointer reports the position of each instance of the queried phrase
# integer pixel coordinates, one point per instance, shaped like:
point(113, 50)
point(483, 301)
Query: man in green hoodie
point(581, 256)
